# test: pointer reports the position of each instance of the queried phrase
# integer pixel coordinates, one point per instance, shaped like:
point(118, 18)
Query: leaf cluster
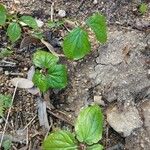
point(48, 74)
point(88, 132)
point(15, 23)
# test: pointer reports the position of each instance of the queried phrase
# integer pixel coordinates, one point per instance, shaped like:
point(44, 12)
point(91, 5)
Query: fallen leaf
point(30, 73)
point(42, 114)
point(22, 83)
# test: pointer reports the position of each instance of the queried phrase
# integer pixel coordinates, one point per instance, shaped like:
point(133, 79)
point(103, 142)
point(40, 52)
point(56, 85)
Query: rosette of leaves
point(48, 74)
point(15, 23)
point(76, 44)
point(88, 132)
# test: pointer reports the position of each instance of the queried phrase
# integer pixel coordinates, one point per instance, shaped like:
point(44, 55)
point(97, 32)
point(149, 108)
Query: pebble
point(6, 73)
point(62, 13)
point(95, 2)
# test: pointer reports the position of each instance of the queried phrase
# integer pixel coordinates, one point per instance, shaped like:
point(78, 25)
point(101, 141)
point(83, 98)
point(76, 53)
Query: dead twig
point(61, 116)
point(52, 11)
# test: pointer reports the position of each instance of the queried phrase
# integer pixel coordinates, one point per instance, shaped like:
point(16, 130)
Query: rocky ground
point(115, 75)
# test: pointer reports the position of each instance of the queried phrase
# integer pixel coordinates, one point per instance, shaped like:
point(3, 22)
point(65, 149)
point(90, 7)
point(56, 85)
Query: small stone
point(98, 100)
point(25, 69)
point(6, 73)
point(124, 122)
point(62, 13)
point(95, 2)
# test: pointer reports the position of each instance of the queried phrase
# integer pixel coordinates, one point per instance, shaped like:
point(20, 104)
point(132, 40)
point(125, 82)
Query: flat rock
point(124, 122)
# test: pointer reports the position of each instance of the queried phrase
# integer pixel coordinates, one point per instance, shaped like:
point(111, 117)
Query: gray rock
point(61, 13)
point(140, 139)
point(124, 122)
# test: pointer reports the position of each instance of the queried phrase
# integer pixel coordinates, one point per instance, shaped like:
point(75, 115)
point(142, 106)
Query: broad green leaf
point(30, 21)
point(60, 140)
point(76, 44)
point(40, 80)
point(14, 31)
point(57, 76)
point(3, 14)
point(95, 147)
point(98, 24)
point(44, 59)
point(89, 125)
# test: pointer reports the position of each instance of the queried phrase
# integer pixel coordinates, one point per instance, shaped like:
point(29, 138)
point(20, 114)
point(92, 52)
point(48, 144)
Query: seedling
point(15, 23)
point(48, 74)
point(76, 44)
point(143, 8)
point(5, 52)
point(7, 144)
point(88, 132)
point(5, 102)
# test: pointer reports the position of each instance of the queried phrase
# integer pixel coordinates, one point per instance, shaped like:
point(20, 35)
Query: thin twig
point(29, 122)
point(13, 97)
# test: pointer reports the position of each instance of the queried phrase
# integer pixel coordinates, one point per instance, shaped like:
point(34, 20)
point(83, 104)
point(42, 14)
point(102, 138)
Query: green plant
point(5, 102)
point(5, 52)
point(143, 8)
point(48, 74)
point(6, 144)
point(14, 23)
point(76, 44)
point(88, 132)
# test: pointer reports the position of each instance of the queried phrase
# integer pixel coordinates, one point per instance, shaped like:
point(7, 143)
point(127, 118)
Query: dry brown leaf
point(22, 83)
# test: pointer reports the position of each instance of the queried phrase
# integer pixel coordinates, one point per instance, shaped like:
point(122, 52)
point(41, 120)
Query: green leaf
point(40, 81)
point(5, 52)
point(44, 59)
point(57, 76)
point(5, 102)
point(7, 145)
point(76, 44)
point(95, 147)
point(60, 140)
point(89, 125)
point(3, 14)
point(14, 31)
point(30, 21)
point(98, 24)
point(1, 108)
point(143, 8)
